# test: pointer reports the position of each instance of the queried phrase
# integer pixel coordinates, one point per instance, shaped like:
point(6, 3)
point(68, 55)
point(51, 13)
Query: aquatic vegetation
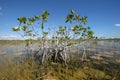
point(26, 68)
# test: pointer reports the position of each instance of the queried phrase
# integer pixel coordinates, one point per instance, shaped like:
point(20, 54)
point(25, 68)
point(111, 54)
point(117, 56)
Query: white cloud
point(10, 37)
point(117, 25)
point(13, 37)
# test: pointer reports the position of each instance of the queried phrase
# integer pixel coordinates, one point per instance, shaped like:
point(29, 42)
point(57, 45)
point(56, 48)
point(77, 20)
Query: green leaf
point(16, 29)
point(77, 17)
point(61, 28)
point(45, 15)
point(37, 17)
point(70, 16)
point(29, 31)
point(45, 33)
point(84, 20)
point(19, 19)
point(31, 21)
point(75, 28)
point(81, 28)
point(22, 20)
point(24, 28)
point(90, 34)
point(72, 11)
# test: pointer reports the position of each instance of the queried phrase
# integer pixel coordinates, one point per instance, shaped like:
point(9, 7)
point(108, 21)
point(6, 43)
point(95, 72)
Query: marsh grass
point(27, 69)
point(22, 70)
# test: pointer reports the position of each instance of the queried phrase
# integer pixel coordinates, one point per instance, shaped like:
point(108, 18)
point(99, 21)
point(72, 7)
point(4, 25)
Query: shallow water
point(94, 47)
point(104, 45)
